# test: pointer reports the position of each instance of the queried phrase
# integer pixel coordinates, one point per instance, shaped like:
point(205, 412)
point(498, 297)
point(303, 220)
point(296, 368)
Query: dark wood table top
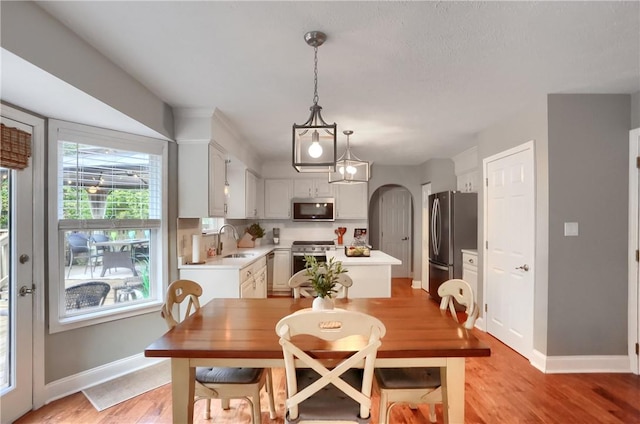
point(245, 328)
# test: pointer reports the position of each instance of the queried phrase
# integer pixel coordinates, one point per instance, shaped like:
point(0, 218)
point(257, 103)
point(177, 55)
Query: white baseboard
point(416, 284)
point(75, 383)
point(581, 364)
point(479, 324)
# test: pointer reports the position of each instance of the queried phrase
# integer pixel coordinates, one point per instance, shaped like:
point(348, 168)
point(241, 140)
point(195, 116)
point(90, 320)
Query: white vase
point(322, 304)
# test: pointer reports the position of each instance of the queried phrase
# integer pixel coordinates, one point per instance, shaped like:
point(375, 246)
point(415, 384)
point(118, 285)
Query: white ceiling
point(423, 77)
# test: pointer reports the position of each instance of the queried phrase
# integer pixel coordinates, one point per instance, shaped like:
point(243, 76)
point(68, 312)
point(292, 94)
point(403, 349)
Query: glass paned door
point(16, 273)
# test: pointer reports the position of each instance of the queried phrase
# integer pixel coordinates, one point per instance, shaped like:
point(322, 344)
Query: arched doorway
point(391, 222)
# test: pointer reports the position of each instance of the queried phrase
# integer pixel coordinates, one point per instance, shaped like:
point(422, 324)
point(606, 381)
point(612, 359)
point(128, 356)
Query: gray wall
point(31, 33)
point(530, 123)
point(588, 160)
point(635, 110)
point(440, 173)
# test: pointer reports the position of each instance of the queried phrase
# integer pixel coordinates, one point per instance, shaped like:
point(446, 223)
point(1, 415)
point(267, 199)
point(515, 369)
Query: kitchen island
point(371, 275)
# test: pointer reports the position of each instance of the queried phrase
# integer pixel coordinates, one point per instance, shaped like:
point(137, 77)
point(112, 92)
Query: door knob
point(405, 238)
point(24, 290)
point(524, 267)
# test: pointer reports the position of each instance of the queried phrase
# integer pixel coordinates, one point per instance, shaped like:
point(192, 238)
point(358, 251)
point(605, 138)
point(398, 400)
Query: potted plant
point(323, 278)
point(257, 232)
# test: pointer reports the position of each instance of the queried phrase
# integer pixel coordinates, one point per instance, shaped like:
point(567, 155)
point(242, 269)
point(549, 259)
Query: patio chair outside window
point(86, 295)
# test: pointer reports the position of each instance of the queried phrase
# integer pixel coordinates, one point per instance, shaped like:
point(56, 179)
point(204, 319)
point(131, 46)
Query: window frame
point(57, 228)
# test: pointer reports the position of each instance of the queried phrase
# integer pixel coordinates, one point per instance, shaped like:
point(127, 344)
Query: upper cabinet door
point(200, 181)
point(216, 182)
point(312, 187)
point(251, 194)
point(351, 201)
point(277, 198)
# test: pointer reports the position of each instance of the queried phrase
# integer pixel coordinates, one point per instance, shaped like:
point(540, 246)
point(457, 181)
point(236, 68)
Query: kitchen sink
point(239, 255)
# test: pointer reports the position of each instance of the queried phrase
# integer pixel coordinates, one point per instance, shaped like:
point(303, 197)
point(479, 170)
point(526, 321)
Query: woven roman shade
point(15, 148)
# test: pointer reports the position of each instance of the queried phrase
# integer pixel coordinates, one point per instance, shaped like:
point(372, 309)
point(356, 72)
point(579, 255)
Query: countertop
point(470, 251)
point(377, 258)
point(220, 262)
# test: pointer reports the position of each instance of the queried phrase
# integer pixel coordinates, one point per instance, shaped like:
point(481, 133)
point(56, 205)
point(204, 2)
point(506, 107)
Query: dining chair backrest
point(329, 325)
point(178, 292)
point(461, 291)
point(300, 282)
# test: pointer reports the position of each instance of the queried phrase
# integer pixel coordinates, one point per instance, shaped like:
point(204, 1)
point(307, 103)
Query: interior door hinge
point(638, 162)
point(486, 307)
point(486, 182)
point(486, 244)
point(637, 255)
point(637, 349)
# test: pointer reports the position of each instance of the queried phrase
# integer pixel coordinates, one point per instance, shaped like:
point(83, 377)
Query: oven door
point(298, 262)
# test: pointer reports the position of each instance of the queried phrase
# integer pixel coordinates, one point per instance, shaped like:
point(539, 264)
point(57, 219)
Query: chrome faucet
point(219, 242)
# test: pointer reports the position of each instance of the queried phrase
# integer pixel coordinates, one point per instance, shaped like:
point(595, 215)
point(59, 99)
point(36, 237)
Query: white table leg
point(453, 391)
point(182, 390)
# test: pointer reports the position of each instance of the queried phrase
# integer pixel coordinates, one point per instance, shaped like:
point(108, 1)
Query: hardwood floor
point(503, 388)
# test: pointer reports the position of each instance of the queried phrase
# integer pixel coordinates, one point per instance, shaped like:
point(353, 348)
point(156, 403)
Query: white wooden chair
point(321, 389)
point(423, 385)
point(300, 282)
point(219, 382)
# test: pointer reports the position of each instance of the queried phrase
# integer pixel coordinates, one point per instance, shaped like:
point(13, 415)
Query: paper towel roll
point(195, 249)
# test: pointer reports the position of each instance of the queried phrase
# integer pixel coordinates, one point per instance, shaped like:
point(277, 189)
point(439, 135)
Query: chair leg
point(255, 406)
point(70, 263)
point(382, 410)
point(225, 403)
point(269, 388)
point(207, 409)
point(432, 412)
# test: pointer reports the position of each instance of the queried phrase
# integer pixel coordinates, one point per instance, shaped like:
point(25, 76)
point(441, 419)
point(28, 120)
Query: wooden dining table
point(241, 333)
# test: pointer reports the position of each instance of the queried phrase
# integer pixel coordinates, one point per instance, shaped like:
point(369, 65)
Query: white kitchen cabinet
point(468, 182)
point(351, 201)
point(277, 198)
point(281, 271)
point(312, 187)
point(200, 180)
point(470, 271)
point(254, 280)
point(242, 199)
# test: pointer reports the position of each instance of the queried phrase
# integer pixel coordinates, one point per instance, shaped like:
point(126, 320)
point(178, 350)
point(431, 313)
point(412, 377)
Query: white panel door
point(510, 249)
point(16, 272)
point(395, 240)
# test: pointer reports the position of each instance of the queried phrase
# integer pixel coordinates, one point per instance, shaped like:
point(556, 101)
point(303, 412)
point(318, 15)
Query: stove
point(313, 248)
point(300, 249)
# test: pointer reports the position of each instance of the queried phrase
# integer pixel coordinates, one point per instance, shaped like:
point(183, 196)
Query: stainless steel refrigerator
point(453, 226)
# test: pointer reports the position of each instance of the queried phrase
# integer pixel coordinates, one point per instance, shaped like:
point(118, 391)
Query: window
point(107, 224)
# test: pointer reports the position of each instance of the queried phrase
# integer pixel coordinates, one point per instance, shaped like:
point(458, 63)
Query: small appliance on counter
point(276, 236)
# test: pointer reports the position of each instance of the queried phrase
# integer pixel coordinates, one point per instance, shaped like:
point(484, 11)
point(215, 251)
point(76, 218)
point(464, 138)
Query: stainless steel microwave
point(314, 209)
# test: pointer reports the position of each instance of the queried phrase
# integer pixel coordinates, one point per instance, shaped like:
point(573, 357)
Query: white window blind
point(98, 183)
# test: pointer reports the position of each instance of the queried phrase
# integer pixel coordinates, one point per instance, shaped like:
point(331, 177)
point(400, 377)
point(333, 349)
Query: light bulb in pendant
point(341, 170)
point(315, 150)
point(351, 170)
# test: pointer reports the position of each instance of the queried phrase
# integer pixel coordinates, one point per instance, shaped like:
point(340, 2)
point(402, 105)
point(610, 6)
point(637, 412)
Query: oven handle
point(307, 254)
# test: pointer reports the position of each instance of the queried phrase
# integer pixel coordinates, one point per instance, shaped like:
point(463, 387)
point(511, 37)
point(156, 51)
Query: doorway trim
point(39, 247)
point(634, 272)
point(424, 277)
point(482, 323)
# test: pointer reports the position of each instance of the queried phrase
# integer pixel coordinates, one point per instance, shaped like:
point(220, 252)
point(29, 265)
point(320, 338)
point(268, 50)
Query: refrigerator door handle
point(433, 226)
point(438, 226)
point(440, 267)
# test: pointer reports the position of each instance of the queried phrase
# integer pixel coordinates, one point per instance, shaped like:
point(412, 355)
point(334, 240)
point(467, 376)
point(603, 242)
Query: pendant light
point(314, 142)
point(349, 169)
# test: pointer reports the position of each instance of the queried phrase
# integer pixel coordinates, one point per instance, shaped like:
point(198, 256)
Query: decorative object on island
point(314, 142)
point(324, 277)
point(349, 169)
point(340, 232)
point(257, 232)
point(358, 251)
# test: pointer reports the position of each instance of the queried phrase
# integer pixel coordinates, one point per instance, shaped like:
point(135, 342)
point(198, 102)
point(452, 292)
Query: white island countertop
point(377, 258)
point(371, 275)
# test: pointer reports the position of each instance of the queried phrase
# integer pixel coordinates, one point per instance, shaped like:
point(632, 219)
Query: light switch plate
point(570, 229)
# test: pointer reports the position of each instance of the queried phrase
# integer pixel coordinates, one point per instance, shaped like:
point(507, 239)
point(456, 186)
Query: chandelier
point(349, 169)
point(314, 142)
